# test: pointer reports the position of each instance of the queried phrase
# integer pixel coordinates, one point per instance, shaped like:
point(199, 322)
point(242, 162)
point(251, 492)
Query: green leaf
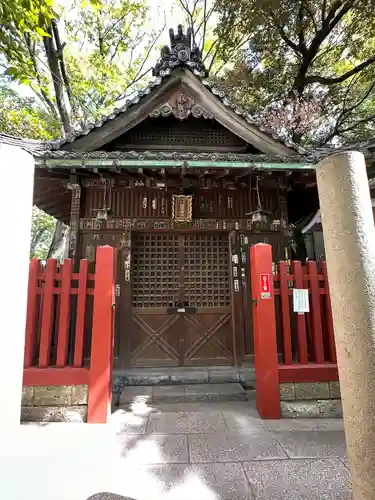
point(41, 32)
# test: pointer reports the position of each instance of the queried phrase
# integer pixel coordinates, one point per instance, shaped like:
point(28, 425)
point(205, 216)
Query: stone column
point(16, 197)
point(349, 236)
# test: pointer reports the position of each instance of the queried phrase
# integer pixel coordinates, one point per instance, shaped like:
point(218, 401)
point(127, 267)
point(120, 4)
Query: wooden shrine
point(182, 182)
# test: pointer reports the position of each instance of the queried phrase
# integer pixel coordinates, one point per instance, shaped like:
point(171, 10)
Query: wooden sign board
point(182, 208)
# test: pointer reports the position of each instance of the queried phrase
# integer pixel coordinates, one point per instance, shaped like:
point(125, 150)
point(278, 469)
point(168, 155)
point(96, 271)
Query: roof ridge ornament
point(182, 51)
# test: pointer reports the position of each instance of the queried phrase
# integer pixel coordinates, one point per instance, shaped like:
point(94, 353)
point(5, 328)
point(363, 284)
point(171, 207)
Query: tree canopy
point(307, 69)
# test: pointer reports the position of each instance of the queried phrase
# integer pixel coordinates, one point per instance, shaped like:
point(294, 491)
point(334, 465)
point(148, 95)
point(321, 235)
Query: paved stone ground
point(180, 451)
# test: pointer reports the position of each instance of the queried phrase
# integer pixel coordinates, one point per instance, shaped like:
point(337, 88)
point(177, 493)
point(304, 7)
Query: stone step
point(184, 376)
point(182, 393)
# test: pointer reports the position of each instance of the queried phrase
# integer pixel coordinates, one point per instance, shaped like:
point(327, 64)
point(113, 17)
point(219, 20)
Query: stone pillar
point(16, 198)
point(349, 236)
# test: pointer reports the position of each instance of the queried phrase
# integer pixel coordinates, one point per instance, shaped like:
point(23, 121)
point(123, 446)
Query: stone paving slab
point(233, 447)
point(169, 394)
point(215, 392)
point(179, 451)
point(299, 480)
point(200, 482)
point(154, 449)
point(313, 444)
point(186, 423)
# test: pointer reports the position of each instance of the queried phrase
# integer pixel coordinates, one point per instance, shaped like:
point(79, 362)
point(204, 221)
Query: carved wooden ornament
point(182, 208)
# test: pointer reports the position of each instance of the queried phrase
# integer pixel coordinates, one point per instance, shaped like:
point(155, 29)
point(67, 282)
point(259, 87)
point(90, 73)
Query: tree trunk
point(59, 243)
point(58, 83)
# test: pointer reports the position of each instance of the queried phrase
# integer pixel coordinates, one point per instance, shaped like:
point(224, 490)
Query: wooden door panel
point(154, 338)
point(208, 332)
point(154, 334)
point(208, 339)
point(190, 269)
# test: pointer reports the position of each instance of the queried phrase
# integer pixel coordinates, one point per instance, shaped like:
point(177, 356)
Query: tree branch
point(310, 14)
point(53, 64)
point(332, 81)
point(337, 131)
point(289, 42)
point(139, 73)
point(204, 23)
point(64, 74)
point(332, 19)
point(42, 94)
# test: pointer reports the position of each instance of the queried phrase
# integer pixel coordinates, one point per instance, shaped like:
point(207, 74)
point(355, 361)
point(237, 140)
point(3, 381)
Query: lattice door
point(208, 331)
point(206, 270)
point(155, 270)
point(189, 269)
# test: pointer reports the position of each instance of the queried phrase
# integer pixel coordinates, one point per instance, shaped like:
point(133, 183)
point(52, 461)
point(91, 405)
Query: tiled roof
point(180, 53)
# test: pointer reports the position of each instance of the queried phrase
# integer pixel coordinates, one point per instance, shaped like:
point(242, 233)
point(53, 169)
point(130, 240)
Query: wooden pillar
point(124, 299)
point(237, 303)
point(75, 212)
point(265, 342)
point(100, 385)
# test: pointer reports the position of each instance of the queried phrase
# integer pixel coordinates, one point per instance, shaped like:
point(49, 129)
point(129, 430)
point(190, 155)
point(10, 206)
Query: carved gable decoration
point(181, 105)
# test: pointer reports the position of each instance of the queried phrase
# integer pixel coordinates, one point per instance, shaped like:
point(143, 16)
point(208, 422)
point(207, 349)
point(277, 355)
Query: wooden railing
point(305, 340)
point(69, 327)
point(289, 346)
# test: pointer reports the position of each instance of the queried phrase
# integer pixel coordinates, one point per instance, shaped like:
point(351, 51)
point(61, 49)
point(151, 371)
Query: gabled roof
point(180, 65)
point(207, 104)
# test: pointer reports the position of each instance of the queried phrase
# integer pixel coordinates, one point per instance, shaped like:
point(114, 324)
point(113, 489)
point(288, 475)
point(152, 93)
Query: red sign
point(265, 289)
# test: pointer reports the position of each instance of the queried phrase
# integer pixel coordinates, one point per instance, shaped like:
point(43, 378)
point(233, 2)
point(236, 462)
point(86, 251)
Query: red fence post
point(285, 314)
point(316, 313)
point(265, 342)
point(303, 356)
point(81, 309)
point(100, 385)
point(47, 314)
point(31, 314)
point(64, 319)
point(331, 335)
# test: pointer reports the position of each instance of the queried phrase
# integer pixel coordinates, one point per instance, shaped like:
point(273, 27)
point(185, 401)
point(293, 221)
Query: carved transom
point(181, 107)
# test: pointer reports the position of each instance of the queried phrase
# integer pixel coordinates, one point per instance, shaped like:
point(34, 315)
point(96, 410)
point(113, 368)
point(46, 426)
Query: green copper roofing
point(110, 163)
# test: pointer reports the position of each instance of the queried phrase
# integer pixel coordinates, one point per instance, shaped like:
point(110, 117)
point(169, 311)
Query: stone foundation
point(66, 403)
point(311, 400)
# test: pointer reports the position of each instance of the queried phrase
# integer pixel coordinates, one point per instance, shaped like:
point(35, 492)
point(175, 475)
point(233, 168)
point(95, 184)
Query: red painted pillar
point(265, 343)
point(100, 385)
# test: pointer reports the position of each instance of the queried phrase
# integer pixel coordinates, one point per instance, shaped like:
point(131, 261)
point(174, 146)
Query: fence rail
point(289, 346)
point(69, 327)
point(306, 337)
point(58, 302)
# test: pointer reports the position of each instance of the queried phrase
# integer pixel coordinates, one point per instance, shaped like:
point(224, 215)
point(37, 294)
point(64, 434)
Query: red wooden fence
point(301, 346)
point(56, 338)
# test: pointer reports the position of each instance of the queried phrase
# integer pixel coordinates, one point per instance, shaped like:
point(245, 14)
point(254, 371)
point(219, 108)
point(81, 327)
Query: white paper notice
point(301, 300)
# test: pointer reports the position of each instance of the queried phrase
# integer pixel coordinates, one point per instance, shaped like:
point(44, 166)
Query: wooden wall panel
point(207, 203)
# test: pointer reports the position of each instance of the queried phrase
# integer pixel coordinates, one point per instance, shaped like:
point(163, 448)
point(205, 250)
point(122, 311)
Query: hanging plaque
point(182, 208)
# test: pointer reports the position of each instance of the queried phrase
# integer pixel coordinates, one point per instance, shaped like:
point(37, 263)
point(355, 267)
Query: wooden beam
point(326, 372)
point(75, 214)
point(55, 376)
